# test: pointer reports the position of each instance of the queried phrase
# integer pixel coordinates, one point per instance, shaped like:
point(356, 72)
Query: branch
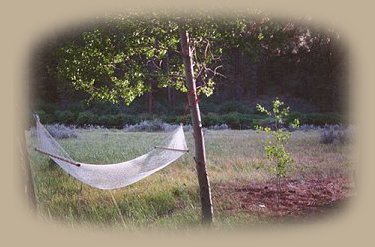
point(215, 71)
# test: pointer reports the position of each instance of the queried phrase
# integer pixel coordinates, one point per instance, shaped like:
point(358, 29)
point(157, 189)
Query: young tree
point(274, 144)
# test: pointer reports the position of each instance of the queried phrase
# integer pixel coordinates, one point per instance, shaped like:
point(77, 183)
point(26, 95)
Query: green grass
point(168, 198)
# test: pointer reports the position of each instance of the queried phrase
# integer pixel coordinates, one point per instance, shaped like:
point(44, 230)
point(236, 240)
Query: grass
point(169, 198)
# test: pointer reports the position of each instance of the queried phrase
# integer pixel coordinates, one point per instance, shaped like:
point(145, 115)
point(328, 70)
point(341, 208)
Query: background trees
point(260, 57)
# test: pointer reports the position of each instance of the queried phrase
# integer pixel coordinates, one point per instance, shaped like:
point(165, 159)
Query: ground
point(243, 182)
point(297, 197)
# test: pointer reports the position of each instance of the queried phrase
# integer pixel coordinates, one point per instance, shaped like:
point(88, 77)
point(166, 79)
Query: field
point(242, 181)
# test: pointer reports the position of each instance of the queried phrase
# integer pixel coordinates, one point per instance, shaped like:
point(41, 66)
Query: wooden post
point(200, 154)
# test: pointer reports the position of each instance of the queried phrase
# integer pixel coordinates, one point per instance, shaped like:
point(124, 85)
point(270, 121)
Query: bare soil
point(297, 197)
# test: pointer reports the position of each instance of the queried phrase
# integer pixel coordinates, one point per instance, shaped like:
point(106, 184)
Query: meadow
point(242, 181)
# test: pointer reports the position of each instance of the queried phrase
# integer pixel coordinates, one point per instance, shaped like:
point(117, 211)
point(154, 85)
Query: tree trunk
point(200, 154)
point(149, 102)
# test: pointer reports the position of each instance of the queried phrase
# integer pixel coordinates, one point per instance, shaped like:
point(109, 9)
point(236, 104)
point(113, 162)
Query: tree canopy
point(116, 59)
point(241, 56)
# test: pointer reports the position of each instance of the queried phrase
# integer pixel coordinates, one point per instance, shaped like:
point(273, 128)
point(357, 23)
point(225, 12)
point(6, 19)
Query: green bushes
point(211, 119)
point(46, 117)
point(109, 121)
point(234, 120)
point(321, 119)
point(118, 120)
point(86, 118)
point(317, 119)
point(66, 117)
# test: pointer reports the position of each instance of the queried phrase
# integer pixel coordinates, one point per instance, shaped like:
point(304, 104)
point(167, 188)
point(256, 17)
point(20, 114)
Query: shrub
point(321, 119)
point(295, 115)
point(219, 127)
point(169, 119)
point(60, 131)
point(66, 117)
point(184, 119)
point(232, 120)
point(211, 119)
point(308, 127)
point(49, 108)
point(151, 126)
point(86, 118)
point(333, 134)
point(46, 118)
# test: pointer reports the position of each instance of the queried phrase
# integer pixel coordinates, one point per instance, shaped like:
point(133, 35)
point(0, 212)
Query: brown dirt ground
point(297, 198)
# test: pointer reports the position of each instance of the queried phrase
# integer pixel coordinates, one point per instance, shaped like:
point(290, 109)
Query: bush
point(248, 121)
point(86, 118)
point(321, 119)
point(151, 126)
point(219, 127)
point(66, 117)
point(308, 127)
point(333, 134)
point(60, 131)
point(49, 108)
point(169, 119)
point(45, 118)
point(184, 119)
point(233, 120)
point(211, 119)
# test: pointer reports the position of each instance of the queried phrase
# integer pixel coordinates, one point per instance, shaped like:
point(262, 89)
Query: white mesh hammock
point(113, 176)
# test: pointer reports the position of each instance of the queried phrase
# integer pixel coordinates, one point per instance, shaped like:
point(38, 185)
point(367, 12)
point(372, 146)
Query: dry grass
point(169, 198)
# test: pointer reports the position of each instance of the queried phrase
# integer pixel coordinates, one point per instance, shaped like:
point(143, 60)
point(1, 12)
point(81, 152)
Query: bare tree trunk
point(200, 154)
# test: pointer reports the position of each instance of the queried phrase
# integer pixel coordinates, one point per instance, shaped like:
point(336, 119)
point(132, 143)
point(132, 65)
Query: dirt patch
point(297, 197)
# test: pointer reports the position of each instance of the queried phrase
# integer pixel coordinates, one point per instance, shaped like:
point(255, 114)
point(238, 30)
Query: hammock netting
point(118, 175)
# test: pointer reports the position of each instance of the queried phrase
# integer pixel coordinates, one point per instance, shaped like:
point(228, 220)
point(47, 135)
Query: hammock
point(113, 176)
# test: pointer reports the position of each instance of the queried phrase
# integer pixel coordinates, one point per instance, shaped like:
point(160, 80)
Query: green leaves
point(260, 36)
point(277, 138)
point(107, 61)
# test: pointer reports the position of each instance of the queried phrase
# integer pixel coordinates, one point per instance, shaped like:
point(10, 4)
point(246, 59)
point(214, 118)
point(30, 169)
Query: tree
point(122, 58)
point(274, 144)
point(112, 63)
